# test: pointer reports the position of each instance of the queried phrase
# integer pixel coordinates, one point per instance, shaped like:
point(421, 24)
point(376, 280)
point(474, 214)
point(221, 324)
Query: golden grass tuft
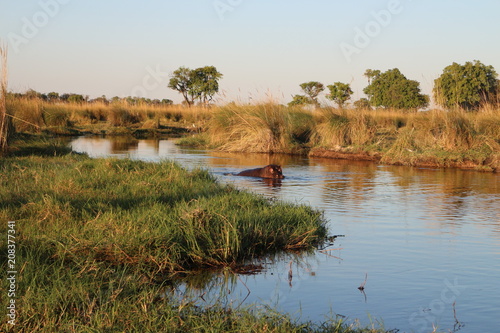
point(255, 128)
point(340, 128)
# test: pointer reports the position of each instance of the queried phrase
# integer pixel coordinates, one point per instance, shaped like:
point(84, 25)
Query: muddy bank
point(489, 165)
point(353, 156)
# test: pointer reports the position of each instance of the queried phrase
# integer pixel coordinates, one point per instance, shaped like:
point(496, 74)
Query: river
point(427, 241)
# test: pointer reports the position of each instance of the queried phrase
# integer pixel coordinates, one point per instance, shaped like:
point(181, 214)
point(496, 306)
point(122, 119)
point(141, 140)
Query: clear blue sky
point(263, 47)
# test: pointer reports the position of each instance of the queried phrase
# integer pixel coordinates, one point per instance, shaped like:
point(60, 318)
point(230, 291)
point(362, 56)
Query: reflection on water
point(426, 238)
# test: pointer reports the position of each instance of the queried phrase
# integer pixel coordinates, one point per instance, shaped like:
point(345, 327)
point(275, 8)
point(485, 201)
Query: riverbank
point(99, 242)
point(434, 138)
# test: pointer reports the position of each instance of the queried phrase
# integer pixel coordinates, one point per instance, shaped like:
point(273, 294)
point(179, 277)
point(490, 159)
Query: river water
point(427, 241)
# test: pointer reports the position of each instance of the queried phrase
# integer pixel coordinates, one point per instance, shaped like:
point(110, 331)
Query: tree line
point(54, 97)
point(466, 86)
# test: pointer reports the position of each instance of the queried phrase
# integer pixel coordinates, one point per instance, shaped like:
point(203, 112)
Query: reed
point(270, 128)
point(4, 117)
point(339, 128)
point(447, 138)
point(33, 115)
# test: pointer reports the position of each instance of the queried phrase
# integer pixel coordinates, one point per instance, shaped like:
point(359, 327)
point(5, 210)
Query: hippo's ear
point(272, 170)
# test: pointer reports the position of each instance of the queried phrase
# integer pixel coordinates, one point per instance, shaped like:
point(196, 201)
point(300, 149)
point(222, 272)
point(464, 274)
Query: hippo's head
point(272, 171)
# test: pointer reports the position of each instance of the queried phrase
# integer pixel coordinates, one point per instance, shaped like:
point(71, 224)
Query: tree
point(466, 86)
point(181, 81)
point(339, 93)
point(392, 89)
point(300, 100)
point(101, 99)
point(362, 103)
point(33, 94)
point(75, 98)
point(53, 97)
point(371, 73)
point(199, 84)
point(205, 83)
point(64, 97)
point(312, 89)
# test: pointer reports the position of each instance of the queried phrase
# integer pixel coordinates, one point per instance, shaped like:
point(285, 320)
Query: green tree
point(53, 96)
point(75, 98)
point(371, 73)
point(312, 89)
point(199, 84)
point(362, 103)
point(101, 99)
point(205, 83)
point(181, 81)
point(392, 89)
point(33, 94)
point(340, 93)
point(300, 100)
point(466, 86)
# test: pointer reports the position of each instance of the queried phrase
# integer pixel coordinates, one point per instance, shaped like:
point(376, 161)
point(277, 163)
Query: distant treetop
point(466, 86)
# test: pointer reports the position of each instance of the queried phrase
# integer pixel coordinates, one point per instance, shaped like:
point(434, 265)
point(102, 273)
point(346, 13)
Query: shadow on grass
point(38, 145)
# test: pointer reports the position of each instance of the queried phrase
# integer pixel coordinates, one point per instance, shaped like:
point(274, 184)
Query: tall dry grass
point(4, 119)
point(268, 127)
point(33, 115)
point(446, 138)
point(336, 128)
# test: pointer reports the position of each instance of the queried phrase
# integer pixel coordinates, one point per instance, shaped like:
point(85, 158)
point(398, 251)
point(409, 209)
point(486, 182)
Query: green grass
point(99, 242)
point(153, 215)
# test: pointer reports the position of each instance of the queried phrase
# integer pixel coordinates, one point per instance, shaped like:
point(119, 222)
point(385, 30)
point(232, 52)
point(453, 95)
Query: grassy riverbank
point(99, 242)
point(435, 138)
point(119, 118)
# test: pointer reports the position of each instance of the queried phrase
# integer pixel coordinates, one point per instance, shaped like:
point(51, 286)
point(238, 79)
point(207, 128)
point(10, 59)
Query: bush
point(119, 116)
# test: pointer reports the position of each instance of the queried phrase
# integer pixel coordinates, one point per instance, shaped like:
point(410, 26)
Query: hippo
point(269, 171)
